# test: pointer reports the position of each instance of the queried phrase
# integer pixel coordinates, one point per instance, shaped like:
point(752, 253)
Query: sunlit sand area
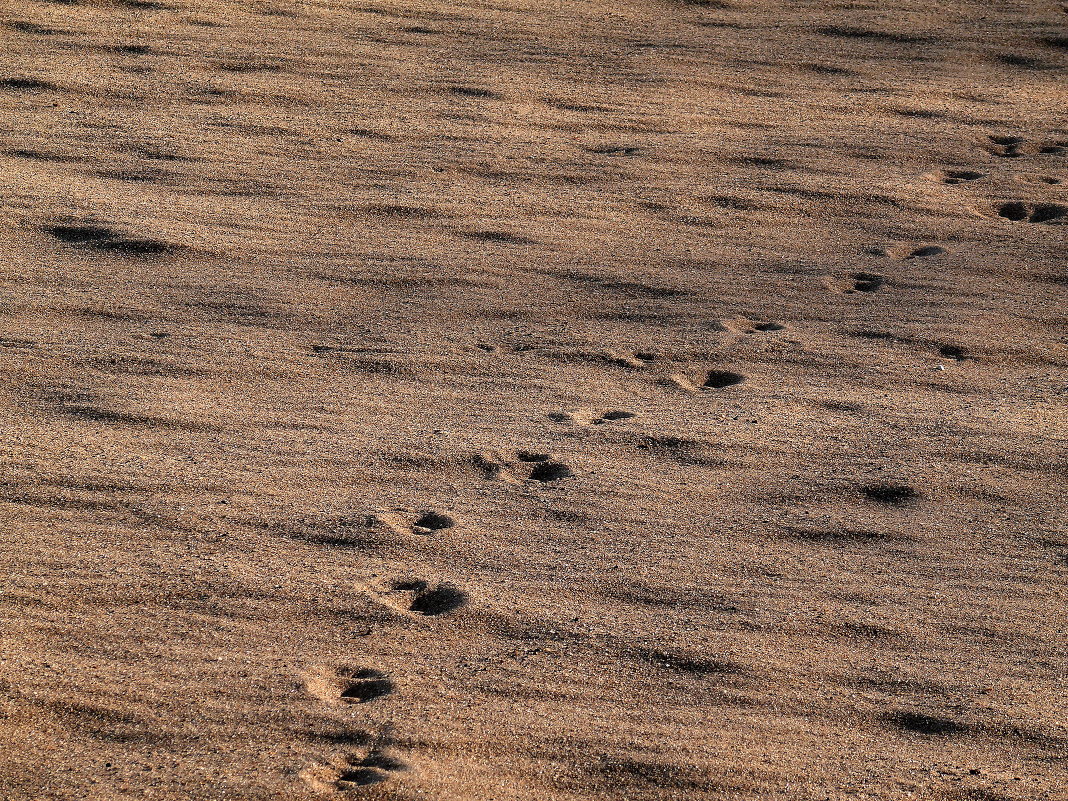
point(533, 401)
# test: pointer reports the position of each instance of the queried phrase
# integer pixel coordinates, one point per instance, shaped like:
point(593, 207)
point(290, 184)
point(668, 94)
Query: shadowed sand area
point(573, 401)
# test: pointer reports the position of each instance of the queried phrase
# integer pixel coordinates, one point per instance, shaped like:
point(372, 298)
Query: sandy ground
point(544, 401)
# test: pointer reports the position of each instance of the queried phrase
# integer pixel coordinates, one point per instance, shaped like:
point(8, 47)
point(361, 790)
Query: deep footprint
point(550, 471)
point(868, 282)
point(1019, 211)
point(719, 379)
point(432, 521)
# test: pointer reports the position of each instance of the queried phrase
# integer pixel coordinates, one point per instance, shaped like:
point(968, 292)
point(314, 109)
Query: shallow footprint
point(632, 361)
point(545, 468)
point(374, 768)
point(907, 252)
point(348, 684)
point(856, 282)
point(954, 176)
point(420, 597)
point(614, 415)
point(588, 417)
point(352, 772)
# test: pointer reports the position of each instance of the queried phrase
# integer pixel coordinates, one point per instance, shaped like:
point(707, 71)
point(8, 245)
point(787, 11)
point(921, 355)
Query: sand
point(546, 401)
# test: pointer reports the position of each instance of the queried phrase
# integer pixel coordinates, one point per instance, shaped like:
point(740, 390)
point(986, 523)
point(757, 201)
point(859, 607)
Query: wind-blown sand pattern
point(470, 401)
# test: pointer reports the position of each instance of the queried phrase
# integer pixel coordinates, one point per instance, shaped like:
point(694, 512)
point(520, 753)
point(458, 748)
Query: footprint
point(616, 150)
point(545, 468)
point(720, 379)
point(867, 282)
point(737, 326)
point(532, 465)
point(614, 415)
point(420, 597)
point(855, 282)
point(349, 773)
point(714, 379)
point(432, 521)
point(954, 176)
point(1020, 211)
point(907, 252)
point(921, 723)
point(770, 327)
point(1016, 146)
point(532, 456)
point(582, 417)
point(472, 91)
point(1004, 146)
point(349, 685)
point(546, 472)
point(587, 417)
point(374, 768)
point(1048, 180)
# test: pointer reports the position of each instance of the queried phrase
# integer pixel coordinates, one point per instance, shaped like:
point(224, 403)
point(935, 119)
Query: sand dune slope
point(662, 399)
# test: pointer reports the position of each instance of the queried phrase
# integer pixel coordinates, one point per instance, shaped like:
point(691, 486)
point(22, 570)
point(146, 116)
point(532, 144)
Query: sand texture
point(533, 401)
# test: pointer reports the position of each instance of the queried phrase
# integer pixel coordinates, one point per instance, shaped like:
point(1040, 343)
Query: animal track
point(954, 176)
point(351, 772)
point(420, 597)
point(1020, 211)
point(372, 769)
point(432, 521)
point(1016, 146)
point(536, 466)
point(714, 379)
point(770, 327)
point(719, 379)
point(867, 282)
point(907, 252)
point(586, 417)
point(350, 685)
